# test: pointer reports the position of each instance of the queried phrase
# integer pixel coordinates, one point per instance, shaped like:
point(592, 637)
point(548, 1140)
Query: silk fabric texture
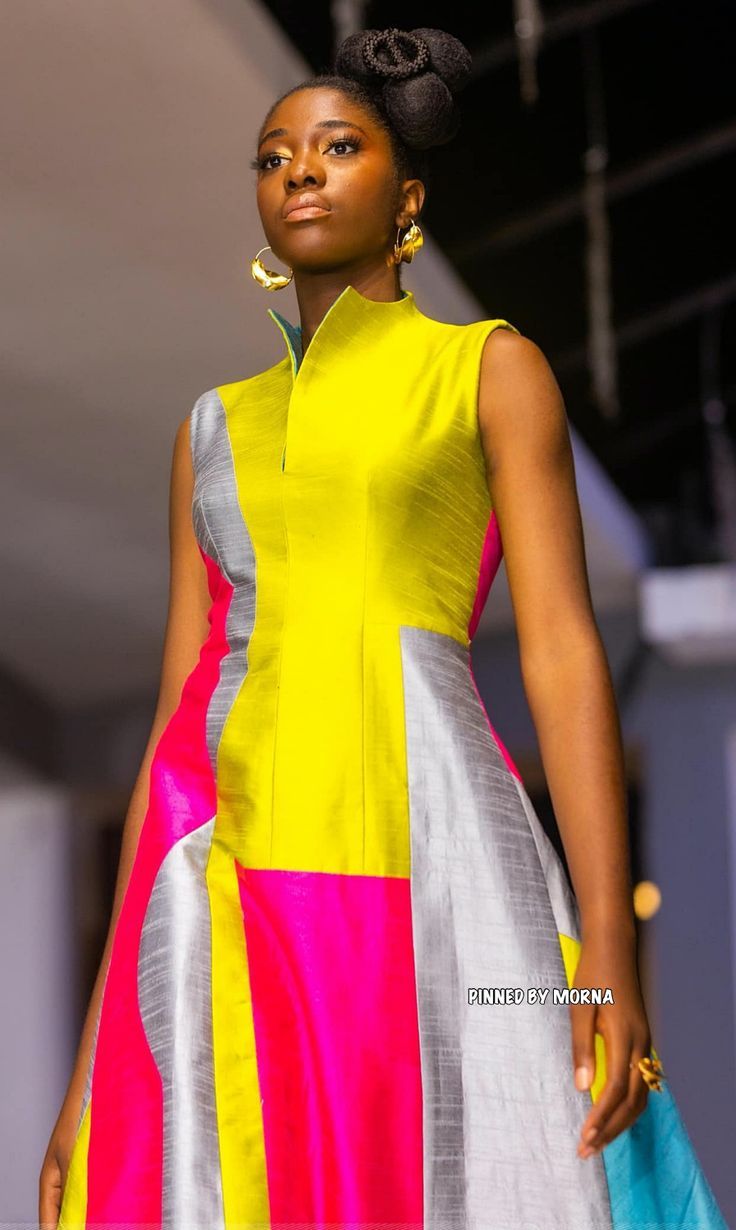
point(338, 846)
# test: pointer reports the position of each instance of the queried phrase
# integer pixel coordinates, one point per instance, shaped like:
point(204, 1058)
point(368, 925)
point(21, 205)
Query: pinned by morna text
point(539, 995)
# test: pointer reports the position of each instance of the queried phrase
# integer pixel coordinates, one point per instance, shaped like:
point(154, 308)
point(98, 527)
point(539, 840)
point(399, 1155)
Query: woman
point(336, 851)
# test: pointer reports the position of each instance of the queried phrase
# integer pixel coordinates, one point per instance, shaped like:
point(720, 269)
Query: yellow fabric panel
point(386, 817)
point(256, 412)
point(237, 1091)
point(343, 559)
point(73, 1213)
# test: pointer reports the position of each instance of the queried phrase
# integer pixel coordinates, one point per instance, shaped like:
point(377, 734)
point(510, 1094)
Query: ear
point(412, 200)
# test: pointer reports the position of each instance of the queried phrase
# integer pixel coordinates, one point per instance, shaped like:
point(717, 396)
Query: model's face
point(320, 143)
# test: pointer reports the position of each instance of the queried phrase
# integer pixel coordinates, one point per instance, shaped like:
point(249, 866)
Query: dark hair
point(406, 79)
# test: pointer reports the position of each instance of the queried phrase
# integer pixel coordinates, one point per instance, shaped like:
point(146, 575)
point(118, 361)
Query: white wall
point(38, 964)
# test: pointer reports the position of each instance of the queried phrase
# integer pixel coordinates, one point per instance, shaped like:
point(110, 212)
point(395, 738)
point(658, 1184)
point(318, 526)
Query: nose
point(304, 170)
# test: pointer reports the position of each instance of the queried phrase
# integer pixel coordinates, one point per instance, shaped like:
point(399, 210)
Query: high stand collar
point(345, 315)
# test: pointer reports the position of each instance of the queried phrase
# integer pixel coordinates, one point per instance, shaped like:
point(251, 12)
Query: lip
point(304, 205)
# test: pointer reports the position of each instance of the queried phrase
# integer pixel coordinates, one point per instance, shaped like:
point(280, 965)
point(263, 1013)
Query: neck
point(316, 292)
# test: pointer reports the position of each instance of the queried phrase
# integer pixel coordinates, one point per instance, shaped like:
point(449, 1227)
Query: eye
point(263, 163)
point(355, 142)
point(338, 144)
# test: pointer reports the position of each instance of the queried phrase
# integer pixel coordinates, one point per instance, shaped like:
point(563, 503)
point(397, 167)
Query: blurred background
point(589, 200)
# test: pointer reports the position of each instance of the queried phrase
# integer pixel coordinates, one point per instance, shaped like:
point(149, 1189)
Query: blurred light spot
point(647, 899)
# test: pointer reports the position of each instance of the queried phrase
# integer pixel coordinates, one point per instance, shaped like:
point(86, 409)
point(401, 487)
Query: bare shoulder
point(181, 492)
point(183, 431)
point(519, 400)
point(182, 466)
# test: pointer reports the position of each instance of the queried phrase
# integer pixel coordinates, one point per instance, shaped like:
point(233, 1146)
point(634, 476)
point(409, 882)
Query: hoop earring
point(268, 278)
point(405, 249)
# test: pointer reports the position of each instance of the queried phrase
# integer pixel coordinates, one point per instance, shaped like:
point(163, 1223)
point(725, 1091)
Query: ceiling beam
point(637, 440)
point(561, 25)
point(644, 173)
point(659, 320)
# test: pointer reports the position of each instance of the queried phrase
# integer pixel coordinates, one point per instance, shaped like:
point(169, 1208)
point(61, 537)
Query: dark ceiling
point(653, 81)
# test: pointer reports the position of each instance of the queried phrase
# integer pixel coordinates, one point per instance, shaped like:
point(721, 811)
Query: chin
point(318, 256)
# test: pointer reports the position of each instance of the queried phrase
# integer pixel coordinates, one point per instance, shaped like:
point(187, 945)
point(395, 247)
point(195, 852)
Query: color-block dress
point(338, 847)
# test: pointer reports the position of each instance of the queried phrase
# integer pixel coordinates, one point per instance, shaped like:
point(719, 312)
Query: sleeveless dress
point(338, 849)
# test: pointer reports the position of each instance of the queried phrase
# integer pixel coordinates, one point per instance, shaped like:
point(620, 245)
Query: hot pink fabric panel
point(126, 1138)
point(490, 558)
point(335, 1016)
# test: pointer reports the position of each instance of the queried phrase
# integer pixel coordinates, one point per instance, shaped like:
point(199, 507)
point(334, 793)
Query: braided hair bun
point(416, 73)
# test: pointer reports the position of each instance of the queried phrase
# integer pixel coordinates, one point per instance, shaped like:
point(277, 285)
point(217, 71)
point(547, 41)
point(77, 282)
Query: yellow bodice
point(361, 482)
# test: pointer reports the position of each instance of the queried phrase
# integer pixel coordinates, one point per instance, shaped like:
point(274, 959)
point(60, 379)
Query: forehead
point(307, 109)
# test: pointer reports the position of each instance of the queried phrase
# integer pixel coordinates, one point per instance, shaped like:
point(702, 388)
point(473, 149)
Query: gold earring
point(405, 249)
point(267, 278)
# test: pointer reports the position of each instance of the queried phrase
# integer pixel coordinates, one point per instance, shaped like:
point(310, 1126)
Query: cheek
point(368, 202)
point(264, 193)
point(261, 202)
point(269, 200)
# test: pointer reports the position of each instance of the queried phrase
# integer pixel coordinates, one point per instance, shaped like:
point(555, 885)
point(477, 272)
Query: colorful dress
point(338, 849)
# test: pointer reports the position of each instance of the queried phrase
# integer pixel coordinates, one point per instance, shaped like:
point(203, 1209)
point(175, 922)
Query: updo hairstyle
point(407, 80)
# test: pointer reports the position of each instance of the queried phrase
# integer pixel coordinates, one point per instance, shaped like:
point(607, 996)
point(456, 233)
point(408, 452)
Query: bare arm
point(186, 630)
point(565, 671)
point(568, 686)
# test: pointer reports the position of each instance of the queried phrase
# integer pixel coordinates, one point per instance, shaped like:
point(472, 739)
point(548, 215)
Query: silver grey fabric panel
point(223, 535)
point(564, 905)
point(175, 997)
point(502, 1117)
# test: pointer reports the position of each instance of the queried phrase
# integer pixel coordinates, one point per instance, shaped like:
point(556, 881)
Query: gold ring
point(652, 1071)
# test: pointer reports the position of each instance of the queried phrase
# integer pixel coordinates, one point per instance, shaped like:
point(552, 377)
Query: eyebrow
point(284, 132)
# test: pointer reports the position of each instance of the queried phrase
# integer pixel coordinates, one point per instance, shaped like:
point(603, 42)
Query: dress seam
point(287, 588)
point(366, 512)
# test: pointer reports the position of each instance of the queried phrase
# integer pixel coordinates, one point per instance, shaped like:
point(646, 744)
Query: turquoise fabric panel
point(655, 1180)
point(293, 335)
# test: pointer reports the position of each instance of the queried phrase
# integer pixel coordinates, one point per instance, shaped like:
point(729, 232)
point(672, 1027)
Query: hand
point(606, 961)
point(54, 1171)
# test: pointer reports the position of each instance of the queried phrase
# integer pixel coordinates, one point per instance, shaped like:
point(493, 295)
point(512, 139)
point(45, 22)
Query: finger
point(630, 1109)
point(48, 1216)
point(582, 1017)
point(49, 1203)
point(616, 1087)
